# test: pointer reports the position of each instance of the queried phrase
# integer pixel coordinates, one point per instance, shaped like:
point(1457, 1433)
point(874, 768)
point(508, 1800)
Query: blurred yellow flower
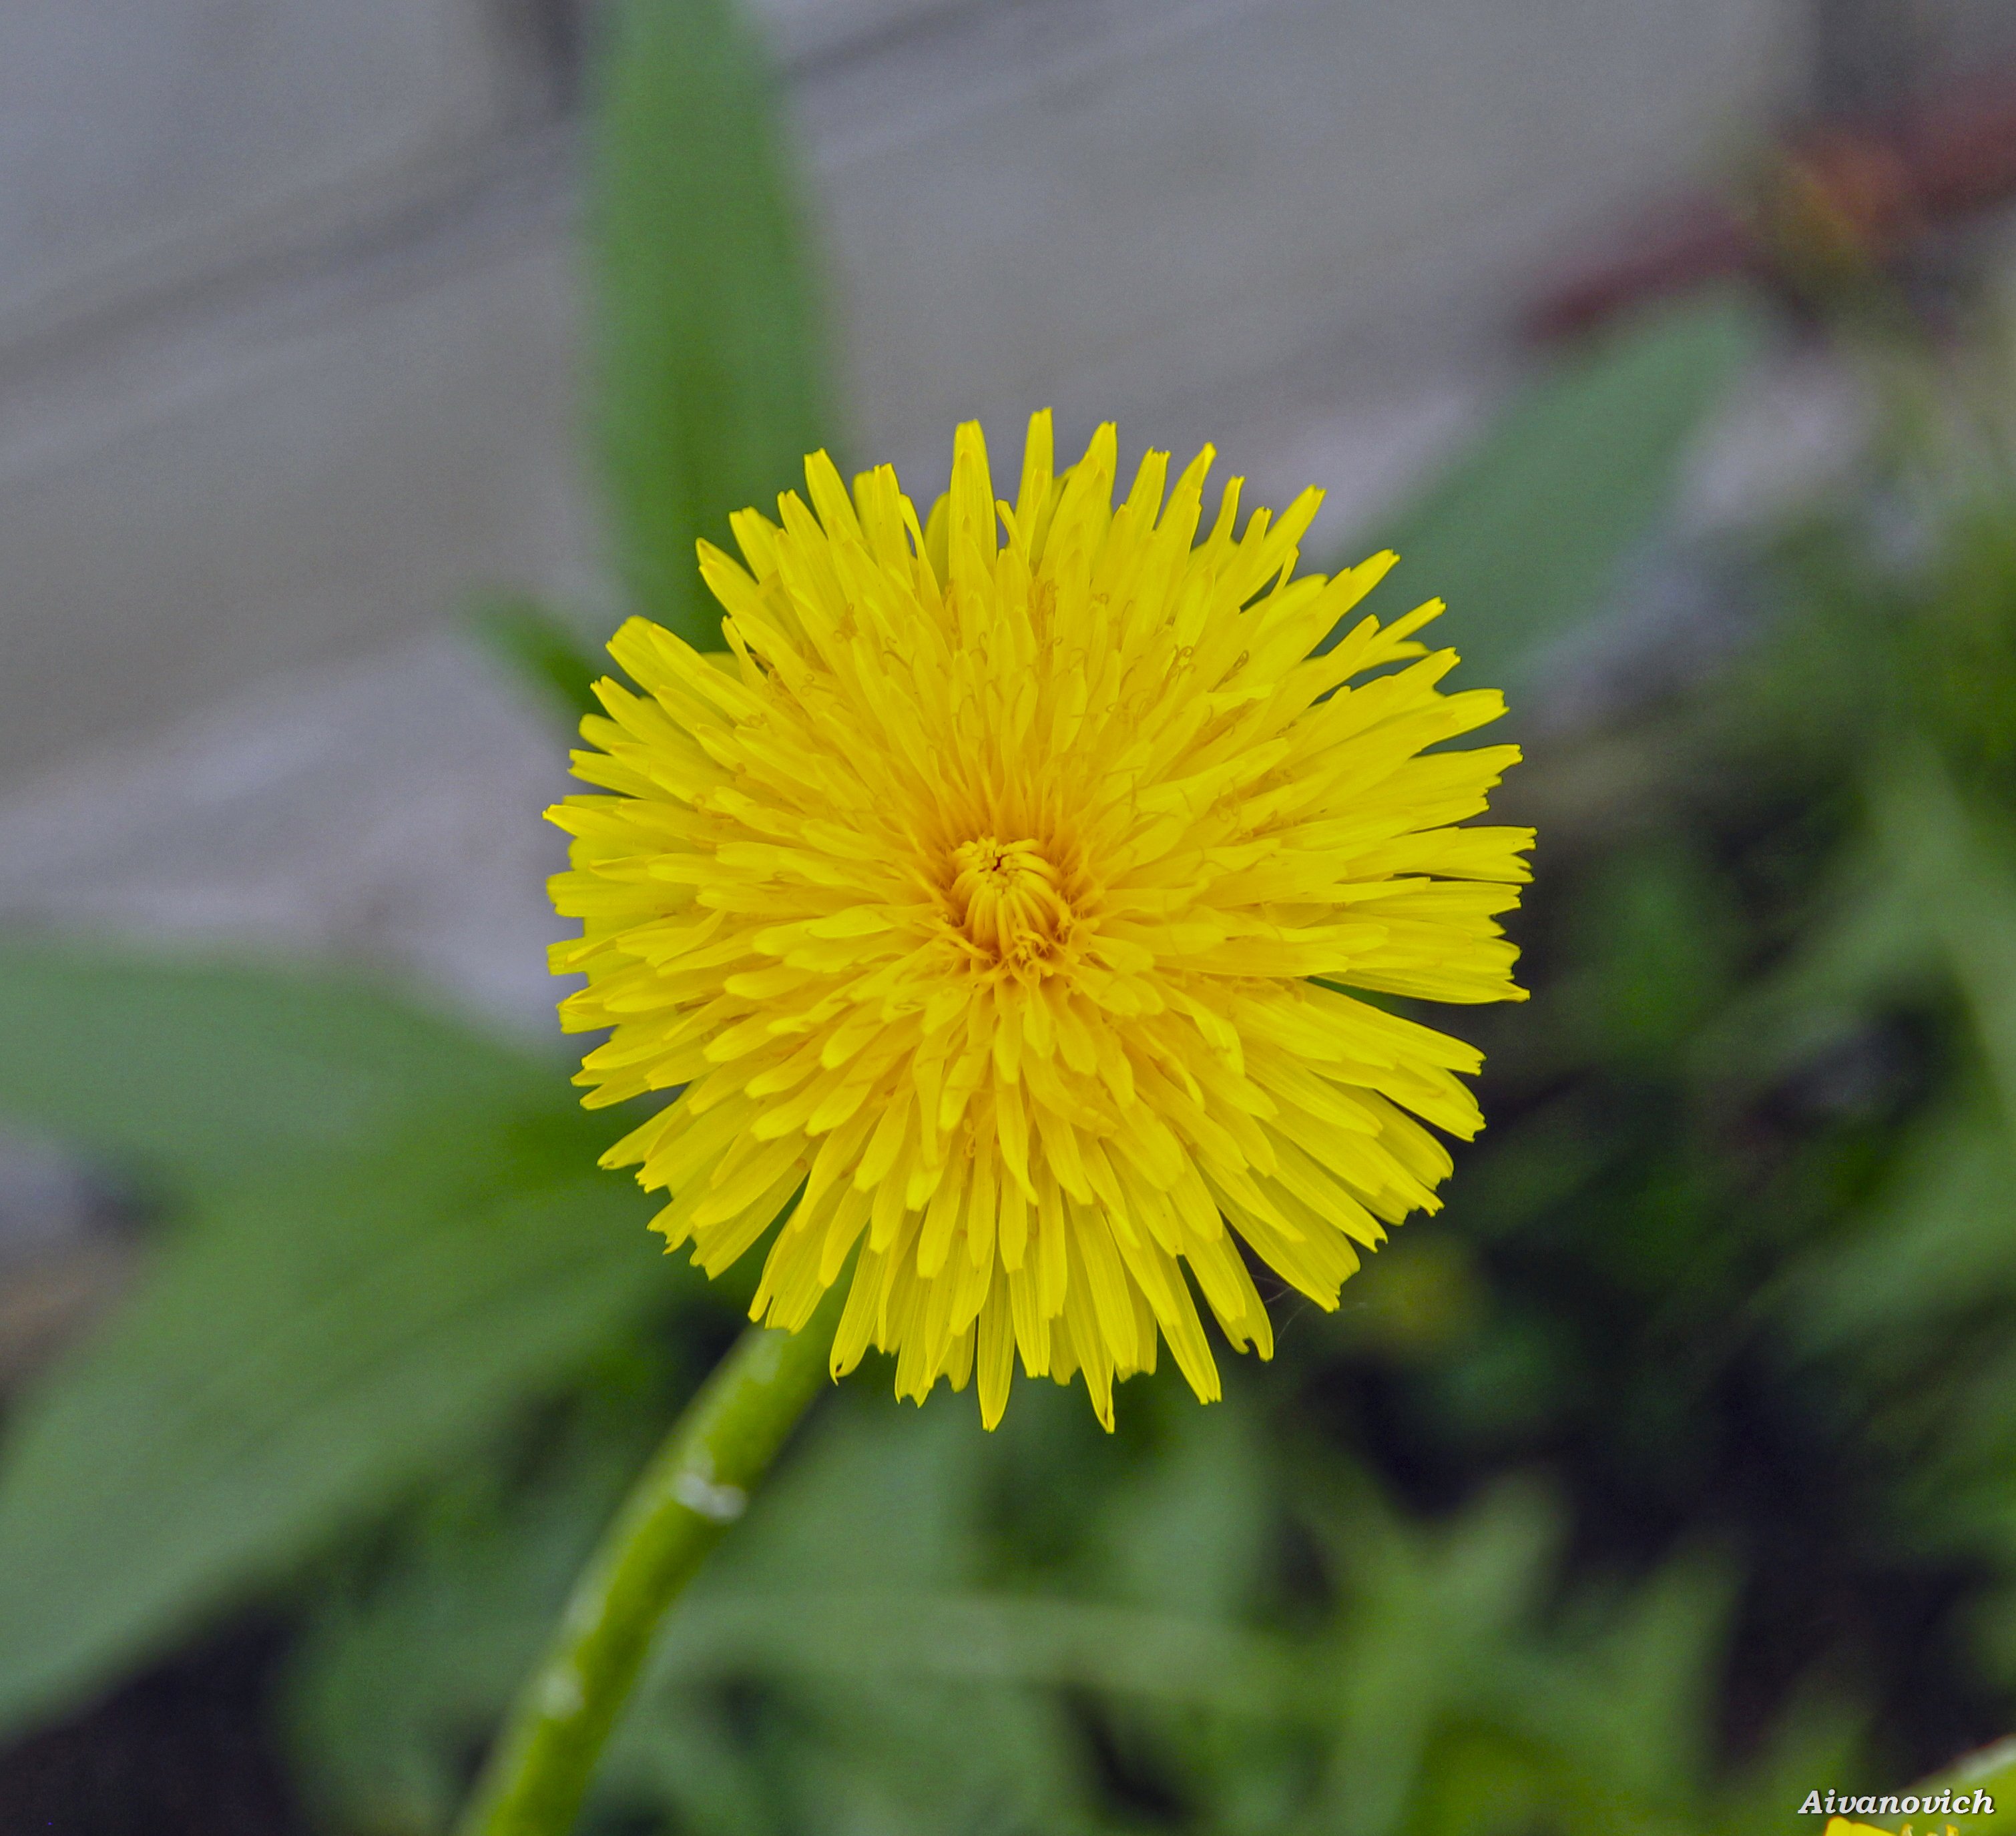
point(978, 892)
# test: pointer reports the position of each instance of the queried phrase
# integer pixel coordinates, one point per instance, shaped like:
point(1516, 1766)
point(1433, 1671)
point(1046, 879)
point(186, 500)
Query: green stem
point(696, 1486)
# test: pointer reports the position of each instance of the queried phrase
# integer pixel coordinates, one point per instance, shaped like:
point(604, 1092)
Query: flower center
point(1008, 898)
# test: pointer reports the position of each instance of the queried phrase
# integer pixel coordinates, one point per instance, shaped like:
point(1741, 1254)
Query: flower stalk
point(695, 1487)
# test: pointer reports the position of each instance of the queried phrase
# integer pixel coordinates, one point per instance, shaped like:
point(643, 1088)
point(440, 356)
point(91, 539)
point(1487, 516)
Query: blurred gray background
point(287, 312)
point(289, 322)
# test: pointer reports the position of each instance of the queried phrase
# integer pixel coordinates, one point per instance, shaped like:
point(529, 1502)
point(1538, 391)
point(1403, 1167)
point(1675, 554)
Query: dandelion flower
point(995, 900)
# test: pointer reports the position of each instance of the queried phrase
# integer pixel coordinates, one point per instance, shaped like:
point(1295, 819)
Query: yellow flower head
point(975, 898)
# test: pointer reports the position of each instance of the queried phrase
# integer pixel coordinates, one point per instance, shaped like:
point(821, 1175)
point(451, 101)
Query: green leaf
point(979, 1638)
point(1870, 943)
point(313, 1347)
point(1966, 889)
point(405, 1663)
point(208, 1074)
point(709, 394)
point(388, 1231)
point(1525, 535)
point(1930, 1249)
point(544, 650)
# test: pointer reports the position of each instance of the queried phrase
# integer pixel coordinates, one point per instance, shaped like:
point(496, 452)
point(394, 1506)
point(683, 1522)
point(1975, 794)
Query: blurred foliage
point(1670, 1473)
point(381, 1233)
point(1523, 535)
point(542, 649)
point(709, 391)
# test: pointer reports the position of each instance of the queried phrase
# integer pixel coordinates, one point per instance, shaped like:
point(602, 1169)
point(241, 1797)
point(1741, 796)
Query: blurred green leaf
point(408, 1658)
point(1991, 1771)
point(1637, 1700)
point(1934, 1246)
point(709, 394)
point(979, 1638)
point(1523, 536)
point(1659, 942)
point(387, 1230)
point(868, 1503)
point(1431, 1613)
point(291, 1362)
point(1967, 893)
point(1871, 942)
point(1187, 1531)
point(544, 650)
point(207, 1074)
